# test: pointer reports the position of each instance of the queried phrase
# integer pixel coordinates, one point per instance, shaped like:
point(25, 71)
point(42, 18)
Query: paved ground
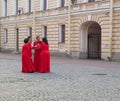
point(69, 80)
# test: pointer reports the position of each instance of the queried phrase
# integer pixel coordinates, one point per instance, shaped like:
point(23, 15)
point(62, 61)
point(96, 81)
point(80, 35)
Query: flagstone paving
point(69, 80)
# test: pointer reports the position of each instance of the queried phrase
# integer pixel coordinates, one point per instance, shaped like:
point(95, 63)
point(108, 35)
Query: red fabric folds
point(27, 65)
point(44, 63)
point(36, 55)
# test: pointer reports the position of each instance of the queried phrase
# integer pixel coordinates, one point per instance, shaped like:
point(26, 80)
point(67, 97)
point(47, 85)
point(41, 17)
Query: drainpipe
point(34, 19)
point(111, 30)
point(69, 25)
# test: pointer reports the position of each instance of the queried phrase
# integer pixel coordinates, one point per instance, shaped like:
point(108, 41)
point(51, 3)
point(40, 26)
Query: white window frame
point(4, 9)
point(60, 33)
point(85, 1)
point(42, 6)
point(29, 28)
point(5, 35)
point(59, 3)
point(43, 31)
point(14, 7)
point(26, 6)
point(60, 37)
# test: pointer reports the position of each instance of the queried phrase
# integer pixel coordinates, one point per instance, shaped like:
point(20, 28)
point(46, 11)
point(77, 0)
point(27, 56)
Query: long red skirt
point(36, 60)
point(27, 65)
point(44, 64)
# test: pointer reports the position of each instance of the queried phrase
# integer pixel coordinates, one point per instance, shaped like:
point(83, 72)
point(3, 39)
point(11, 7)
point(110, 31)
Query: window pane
point(45, 31)
point(30, 31)
point(62, 3)
point(5, 36)
point(29, 5)
point(5, 7)
point(91, 0)
point(45, 4)
point(63, 33)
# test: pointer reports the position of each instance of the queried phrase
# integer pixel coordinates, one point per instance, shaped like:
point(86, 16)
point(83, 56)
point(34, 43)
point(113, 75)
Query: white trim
point(14, 7)
point(81, 40)
point(85, 1)
point(32, 5)
point(89, 17)
point(60, 39)
point(26, 6)
point(47, 4)
point(28, 33)
point(65, 3)
point(60, 15)
point(41, 4)
point(3, 6)
point(43, 32)
point(58, 3)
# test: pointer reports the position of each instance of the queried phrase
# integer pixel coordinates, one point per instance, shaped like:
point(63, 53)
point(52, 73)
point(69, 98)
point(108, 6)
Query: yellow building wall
point(52, 18)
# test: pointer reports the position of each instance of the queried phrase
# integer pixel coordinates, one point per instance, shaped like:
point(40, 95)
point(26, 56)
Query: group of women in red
point(41, 61)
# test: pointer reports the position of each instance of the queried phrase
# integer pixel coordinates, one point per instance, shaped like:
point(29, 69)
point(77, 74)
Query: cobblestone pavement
point(69, 80)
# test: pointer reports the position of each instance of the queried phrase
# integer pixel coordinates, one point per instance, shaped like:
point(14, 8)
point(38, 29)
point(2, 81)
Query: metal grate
point(94, 46)
point(99, 74)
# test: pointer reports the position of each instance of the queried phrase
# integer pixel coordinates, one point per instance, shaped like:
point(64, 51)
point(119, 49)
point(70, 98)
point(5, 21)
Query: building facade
point(78, 28)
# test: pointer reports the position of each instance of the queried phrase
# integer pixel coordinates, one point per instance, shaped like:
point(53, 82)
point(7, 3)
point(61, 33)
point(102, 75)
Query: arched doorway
point(90, 40)
point(94, 41)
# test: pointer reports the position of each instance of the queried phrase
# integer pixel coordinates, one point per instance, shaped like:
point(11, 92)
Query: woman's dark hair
point(26, 40)
point(29, 37)
point(45, 40)
point(37, 37)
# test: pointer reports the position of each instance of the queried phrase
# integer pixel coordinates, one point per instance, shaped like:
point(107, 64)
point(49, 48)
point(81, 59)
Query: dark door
point(17, 39)
point(94, 46)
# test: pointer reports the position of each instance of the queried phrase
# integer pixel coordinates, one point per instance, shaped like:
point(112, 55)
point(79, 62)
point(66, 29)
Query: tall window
point(62, 34)
point(29, 6)
point(5, 2)
point(16, 6)
point(74, 2)
point(30, 31)
point(62, 3)
point(5, 36)
point(91, 0)
point(44, 31)
point(43, 4)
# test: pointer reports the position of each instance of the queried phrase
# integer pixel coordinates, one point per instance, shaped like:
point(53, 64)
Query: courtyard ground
point(69, 80)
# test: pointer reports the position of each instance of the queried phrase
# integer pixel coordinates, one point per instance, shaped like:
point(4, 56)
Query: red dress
point(44, 64)
point(36, 55)
point(27, 65)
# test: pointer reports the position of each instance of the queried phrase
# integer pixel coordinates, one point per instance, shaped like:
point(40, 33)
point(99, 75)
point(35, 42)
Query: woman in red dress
point(44, 64)
point(37, 53)
point(27, 65)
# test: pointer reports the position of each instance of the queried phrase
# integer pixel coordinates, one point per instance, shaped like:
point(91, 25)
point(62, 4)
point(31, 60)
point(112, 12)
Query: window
point(5, 36)
point(61, 3)
point(43, 4)
point(91, 0)
point(16, 7)
point(44, 31)
point(29, 5)
point(30, 31)
point(5, 7)
point(74, 2)
point(62, 34)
